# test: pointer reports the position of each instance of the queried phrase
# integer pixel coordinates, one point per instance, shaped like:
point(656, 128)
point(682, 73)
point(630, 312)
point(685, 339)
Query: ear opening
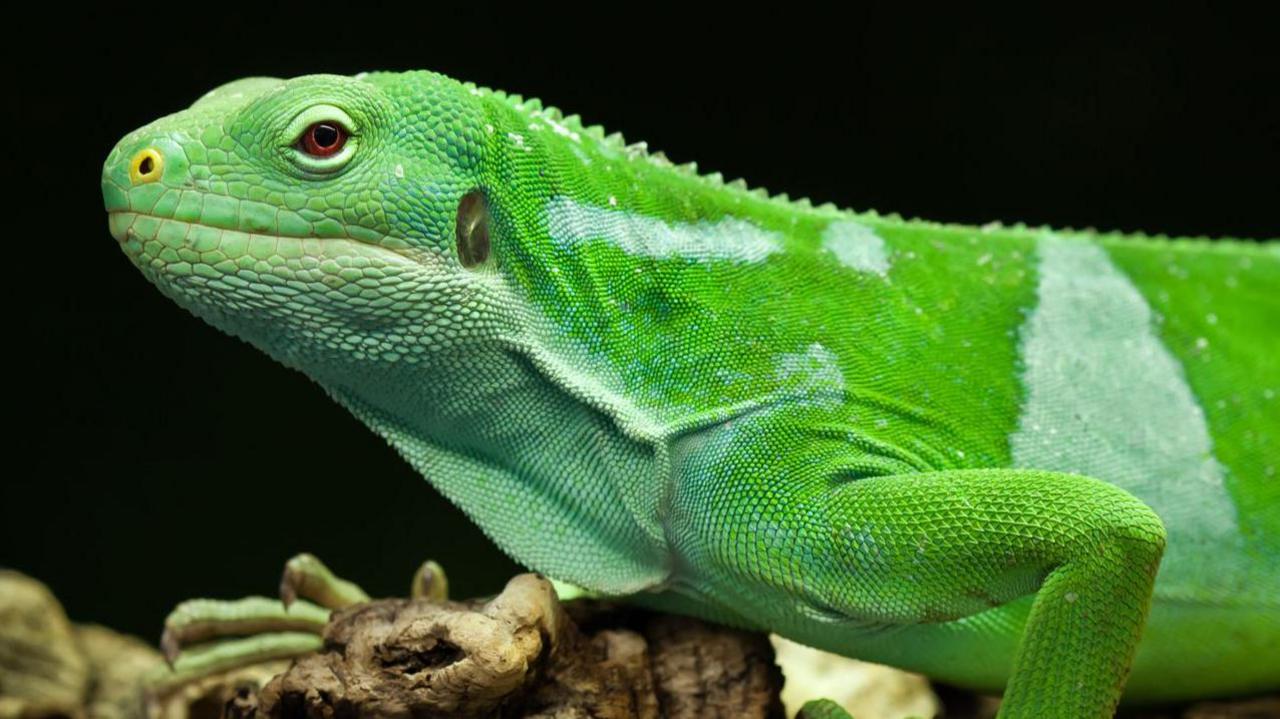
point(472, 229)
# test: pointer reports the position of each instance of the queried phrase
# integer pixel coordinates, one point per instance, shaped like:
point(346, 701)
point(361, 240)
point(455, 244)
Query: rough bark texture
point(521, 654)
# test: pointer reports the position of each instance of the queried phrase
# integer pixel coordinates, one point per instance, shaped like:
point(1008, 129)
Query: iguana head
point(325, 219)
point(374, 232)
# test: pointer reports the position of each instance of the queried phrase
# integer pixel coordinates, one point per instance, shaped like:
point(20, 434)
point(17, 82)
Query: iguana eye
point(323, 139)
point(320, 141)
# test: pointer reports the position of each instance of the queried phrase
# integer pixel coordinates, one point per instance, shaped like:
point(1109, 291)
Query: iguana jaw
point(146, 237)
point(318, 304)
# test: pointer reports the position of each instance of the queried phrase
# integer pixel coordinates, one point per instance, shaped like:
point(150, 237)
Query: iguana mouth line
point(122, 224)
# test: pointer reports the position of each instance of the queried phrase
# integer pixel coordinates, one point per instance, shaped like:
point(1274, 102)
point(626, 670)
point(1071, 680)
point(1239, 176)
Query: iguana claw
point(306, 576)
point(430, 582)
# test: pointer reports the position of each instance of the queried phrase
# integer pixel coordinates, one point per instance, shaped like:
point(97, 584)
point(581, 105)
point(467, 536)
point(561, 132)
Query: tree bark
point(521, 654)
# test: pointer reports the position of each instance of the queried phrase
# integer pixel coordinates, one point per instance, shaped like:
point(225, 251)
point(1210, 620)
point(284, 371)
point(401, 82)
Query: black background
point(152, 458)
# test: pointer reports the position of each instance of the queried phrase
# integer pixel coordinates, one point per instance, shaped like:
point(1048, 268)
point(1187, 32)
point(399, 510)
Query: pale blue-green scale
point(769, 314)
point(856, 246)
point(729, 239)
point(654, 279)
point(923, 318)
point(1105, 398)
point(812, 377)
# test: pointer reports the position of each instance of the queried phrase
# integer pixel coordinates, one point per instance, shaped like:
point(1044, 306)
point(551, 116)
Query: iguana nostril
point(146, 166)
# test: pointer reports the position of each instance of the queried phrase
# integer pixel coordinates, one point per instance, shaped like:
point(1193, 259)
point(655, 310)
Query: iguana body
point(939, 447)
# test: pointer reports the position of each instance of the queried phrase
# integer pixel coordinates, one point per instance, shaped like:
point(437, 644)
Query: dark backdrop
point(152, 458)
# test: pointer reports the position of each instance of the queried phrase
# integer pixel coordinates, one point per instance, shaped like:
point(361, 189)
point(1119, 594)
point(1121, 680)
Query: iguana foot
point(204, 637)
point(822, 709)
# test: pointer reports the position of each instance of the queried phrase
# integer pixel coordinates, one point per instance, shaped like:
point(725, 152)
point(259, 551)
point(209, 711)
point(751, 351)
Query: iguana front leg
point(788, 525)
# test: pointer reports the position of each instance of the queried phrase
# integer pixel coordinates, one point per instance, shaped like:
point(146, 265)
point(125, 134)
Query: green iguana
point(957, 450)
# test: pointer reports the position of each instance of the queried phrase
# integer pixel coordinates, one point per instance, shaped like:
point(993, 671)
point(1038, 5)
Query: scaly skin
point(956, 450)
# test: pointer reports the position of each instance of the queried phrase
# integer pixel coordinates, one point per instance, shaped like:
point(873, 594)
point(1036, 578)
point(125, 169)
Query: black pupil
point(325, 135)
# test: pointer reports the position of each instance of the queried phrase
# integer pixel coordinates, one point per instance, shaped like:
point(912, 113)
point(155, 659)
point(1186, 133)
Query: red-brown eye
point(323, 139)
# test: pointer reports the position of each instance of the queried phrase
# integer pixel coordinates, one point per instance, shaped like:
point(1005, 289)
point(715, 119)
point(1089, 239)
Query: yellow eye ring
point(146, 166)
